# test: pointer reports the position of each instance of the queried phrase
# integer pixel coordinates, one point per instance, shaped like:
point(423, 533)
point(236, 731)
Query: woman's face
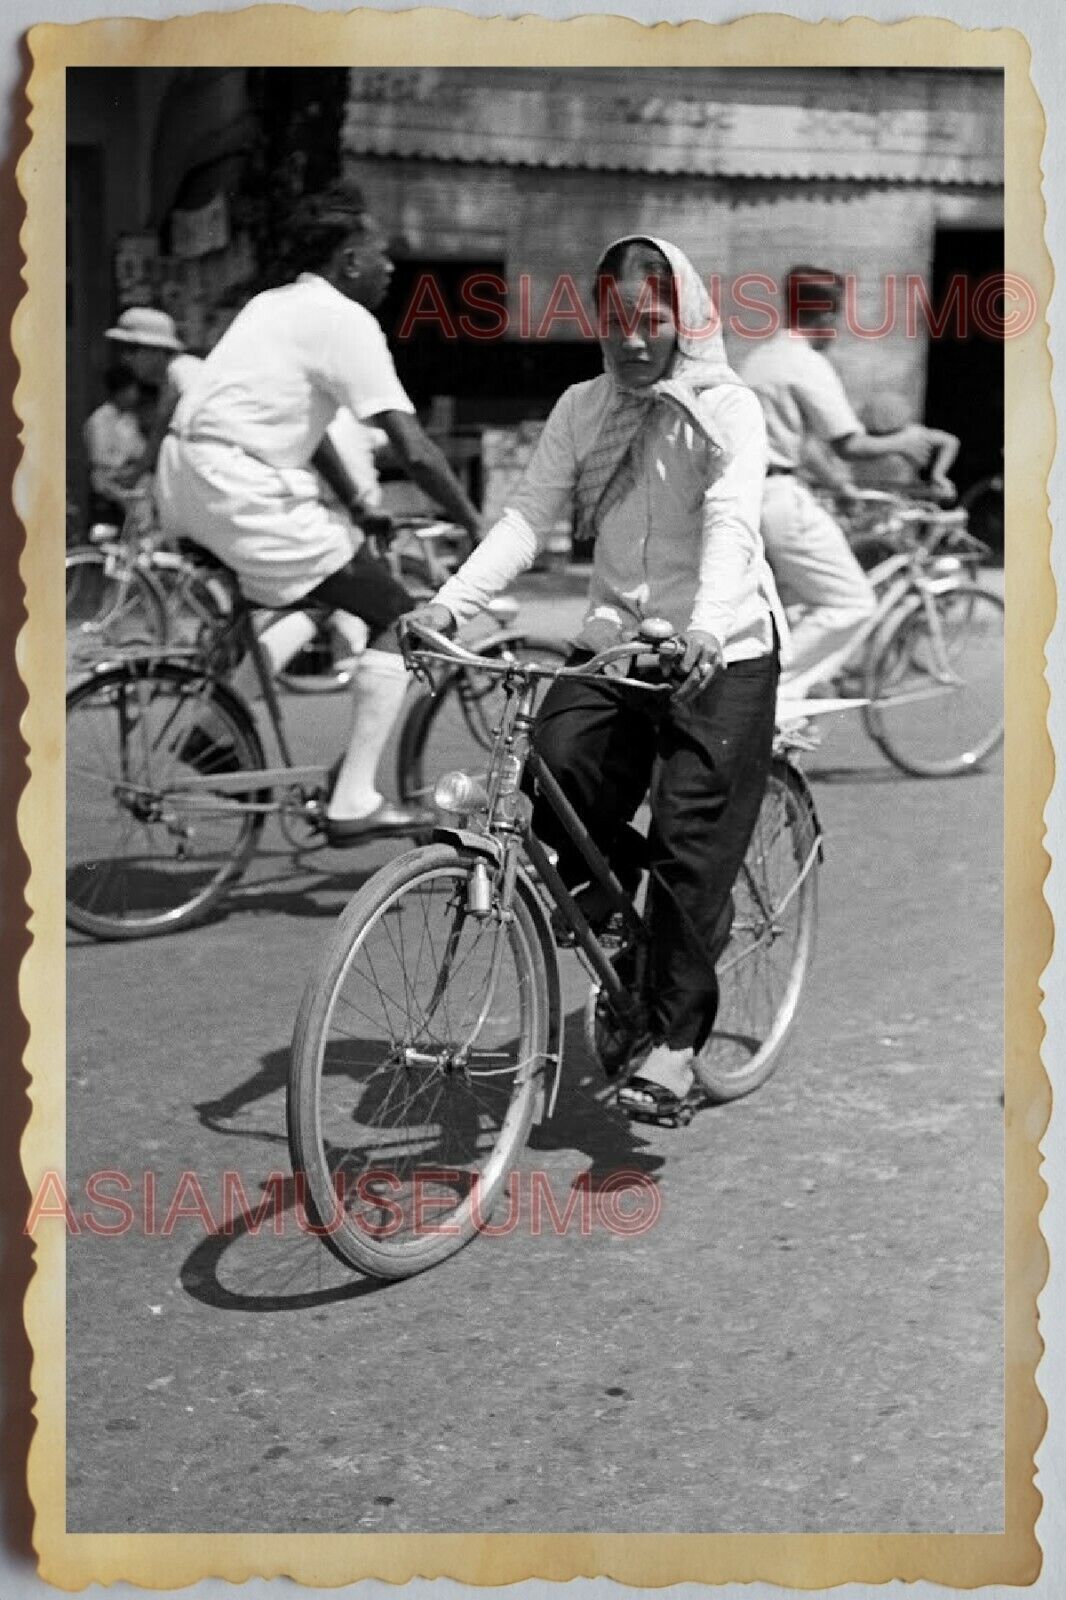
point(638, 333)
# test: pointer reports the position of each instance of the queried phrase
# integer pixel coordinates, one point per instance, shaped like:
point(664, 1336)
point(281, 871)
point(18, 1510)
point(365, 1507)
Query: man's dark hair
point(320, 223)
point(118, 377)
point(810, 291)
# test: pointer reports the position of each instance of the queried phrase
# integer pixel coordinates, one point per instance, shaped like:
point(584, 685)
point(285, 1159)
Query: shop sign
point(135, 264)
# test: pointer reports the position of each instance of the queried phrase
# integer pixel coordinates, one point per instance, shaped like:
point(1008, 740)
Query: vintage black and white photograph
point(535, 570)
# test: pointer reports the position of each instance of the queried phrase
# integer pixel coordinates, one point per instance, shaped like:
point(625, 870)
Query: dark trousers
point(366, 588)
point(706, 763)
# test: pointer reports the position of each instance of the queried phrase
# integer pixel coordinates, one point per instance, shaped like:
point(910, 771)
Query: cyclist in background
point(804, 402)
point(662, 460)
point(239, 469)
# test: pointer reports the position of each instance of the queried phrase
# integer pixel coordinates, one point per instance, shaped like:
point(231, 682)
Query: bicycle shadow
point(841, 773)
point(267, 1258)
point(587, 1120)
point(293, 890)
point(269, 1078)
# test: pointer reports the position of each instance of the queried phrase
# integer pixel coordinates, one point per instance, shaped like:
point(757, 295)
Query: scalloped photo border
point(289, 35)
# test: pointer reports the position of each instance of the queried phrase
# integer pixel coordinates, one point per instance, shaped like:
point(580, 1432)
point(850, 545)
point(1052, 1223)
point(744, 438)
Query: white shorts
point(280, 529)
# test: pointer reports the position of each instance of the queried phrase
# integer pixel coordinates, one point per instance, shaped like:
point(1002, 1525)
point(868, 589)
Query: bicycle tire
point(775, 898)
point(149, 709)
point(984, 506)
point(112, 607)
point(913, 708)
point(775, 908)
point(443, 729)
point(380, 975)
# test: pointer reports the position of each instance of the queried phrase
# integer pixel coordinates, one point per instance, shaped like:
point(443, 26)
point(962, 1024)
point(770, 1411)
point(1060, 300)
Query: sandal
point(645, 1101)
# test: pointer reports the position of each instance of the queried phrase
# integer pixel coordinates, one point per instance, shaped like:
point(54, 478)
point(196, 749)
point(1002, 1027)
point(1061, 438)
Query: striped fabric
point(606, 474)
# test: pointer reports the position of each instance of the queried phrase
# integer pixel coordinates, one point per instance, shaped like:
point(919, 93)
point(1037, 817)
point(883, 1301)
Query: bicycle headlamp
point(460, 793)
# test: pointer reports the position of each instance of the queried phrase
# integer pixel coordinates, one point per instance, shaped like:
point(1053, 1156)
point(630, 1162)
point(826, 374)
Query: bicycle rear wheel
point(762, 970)
point(112, 607)
point(417, 1056)
point(455, 726)
point(935, 680)
point(142, 858)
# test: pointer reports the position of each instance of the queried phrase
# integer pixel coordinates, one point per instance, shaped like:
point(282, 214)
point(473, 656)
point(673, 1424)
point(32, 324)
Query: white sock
point(280, 641)
point(378, 689)
point(353, 630)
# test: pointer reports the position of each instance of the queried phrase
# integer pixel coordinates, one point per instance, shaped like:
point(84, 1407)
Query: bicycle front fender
point(538, 911)
point(483, 844)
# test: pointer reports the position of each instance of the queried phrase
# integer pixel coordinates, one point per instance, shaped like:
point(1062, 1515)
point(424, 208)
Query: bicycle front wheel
point(455, 726)
point(112, 607)
point(935, 682)
point(762, 970)
point(417, 1057)
point(144, 855)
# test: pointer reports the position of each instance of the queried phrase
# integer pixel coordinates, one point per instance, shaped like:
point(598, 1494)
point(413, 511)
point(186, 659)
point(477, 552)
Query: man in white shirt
point(803, 400)
point(240, 469)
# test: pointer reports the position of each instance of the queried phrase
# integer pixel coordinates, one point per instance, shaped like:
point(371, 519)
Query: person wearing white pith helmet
point(150, 347)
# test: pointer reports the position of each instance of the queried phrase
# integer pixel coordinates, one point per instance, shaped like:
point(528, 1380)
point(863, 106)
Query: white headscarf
point(698, 364)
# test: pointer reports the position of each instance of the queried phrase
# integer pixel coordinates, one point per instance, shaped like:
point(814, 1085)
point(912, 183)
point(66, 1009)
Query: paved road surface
point(808, 1338)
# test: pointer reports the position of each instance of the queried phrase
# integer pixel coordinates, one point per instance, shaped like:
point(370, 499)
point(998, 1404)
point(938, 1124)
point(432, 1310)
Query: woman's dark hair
point(638, 257)
point(118, 377)
point(319, 225)
point(810, 291)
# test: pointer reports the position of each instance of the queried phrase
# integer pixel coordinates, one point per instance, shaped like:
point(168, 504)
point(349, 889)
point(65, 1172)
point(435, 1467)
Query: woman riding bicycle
point(662, 459)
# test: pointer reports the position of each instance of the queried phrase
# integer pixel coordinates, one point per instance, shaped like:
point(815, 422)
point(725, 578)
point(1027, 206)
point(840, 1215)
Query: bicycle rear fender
point(482, 844)
point(807, 795)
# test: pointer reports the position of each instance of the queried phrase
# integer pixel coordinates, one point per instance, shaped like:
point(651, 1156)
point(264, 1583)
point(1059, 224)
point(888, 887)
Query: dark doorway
point(88, 309)
point(964, 383)
point(490, 378)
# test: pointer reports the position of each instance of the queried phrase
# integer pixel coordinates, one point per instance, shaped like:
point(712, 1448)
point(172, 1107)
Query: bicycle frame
point(507, 825)
point(894, 579)
point(238, 629)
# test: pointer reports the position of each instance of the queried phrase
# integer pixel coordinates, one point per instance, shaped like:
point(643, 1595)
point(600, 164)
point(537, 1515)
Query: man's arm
point(425, 463)
point(914, 442)
point(328, 461)
point(164, 412)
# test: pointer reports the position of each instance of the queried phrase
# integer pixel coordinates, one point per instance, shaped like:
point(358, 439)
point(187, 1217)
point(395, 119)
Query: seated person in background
point(149, 344)
point(114, 444)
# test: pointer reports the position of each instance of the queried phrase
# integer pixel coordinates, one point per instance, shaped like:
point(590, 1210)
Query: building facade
point(499, 188)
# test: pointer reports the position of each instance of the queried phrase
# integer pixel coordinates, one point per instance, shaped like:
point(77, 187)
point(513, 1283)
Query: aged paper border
point(286, 35)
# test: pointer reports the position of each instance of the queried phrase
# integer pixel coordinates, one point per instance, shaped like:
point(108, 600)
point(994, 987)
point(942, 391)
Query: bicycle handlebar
point(660, 652)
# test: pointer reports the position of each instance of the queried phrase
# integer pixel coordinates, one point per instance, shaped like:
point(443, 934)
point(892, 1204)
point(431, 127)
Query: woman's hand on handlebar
point(433, 616)
point(700, 663)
